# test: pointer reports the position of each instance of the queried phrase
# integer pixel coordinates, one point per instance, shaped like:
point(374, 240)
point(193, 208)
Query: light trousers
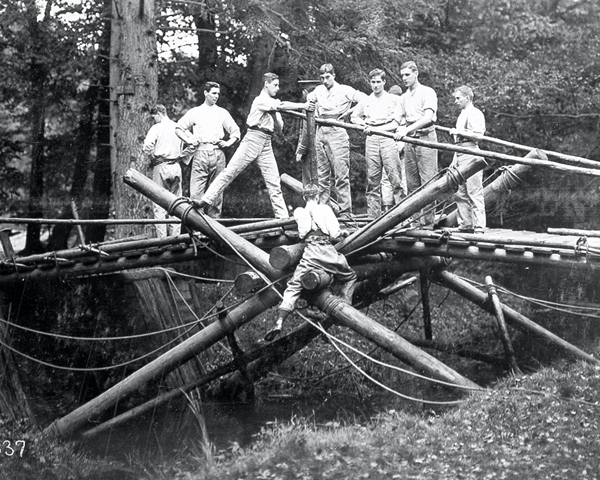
point(421, 166)
point(333, 157)
point(255, 147)
point(470, 203)
point(207, 164)
point(168, 176)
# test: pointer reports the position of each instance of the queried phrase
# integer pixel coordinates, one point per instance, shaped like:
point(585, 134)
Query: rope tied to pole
point(510, 176)
point(454, 178)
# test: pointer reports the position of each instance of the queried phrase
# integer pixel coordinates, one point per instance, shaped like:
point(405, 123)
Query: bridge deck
point(521, 247)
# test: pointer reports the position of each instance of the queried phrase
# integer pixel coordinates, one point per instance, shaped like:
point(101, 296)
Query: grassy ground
point(542, 426)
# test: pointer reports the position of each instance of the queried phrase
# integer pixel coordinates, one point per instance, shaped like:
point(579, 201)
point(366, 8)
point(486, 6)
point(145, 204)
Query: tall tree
point(133, 92)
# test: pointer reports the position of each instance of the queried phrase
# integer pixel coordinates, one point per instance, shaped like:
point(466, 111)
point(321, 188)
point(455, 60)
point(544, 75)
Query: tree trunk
point(133, 93)
point(83, 145)
point(38, 76)
point(101, 185)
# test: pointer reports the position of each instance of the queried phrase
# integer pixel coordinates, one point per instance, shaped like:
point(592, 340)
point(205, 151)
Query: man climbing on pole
point(317, 227)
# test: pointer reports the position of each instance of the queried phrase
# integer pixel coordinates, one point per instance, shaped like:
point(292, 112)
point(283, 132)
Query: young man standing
point(163, 147)
point(381, 153)
point(333, 101)
point(317, 226)
point(264, 118)
point(469, 198)
point(416, 114)
point(209, 129)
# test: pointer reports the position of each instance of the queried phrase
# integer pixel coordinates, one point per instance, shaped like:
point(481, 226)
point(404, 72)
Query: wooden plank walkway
point(508, 246)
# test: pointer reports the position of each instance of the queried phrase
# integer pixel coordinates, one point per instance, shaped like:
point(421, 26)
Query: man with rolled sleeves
point(381, 153)
point(209, 129)
point(333, 101)
point(470, 204)
point(416, 114)
point(264, 118)
point(163, 147)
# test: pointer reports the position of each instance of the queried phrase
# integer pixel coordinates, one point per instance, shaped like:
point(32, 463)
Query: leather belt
point(260, 129)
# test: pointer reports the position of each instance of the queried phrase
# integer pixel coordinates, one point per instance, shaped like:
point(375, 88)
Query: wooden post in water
point(480, 299)
point(504, 336)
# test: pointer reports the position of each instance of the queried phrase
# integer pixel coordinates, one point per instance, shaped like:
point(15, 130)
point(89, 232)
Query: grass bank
point(542, 426)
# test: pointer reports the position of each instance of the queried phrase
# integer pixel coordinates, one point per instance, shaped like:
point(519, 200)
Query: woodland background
point(533, 64)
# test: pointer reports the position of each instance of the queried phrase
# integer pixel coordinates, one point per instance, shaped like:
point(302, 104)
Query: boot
point(276, 330)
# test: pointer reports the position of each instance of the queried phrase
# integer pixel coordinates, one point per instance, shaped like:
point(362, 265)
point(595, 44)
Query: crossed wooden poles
point(337, 311)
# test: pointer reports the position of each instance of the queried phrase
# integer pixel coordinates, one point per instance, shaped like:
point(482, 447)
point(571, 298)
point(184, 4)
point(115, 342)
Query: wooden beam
point(504, 336)
point(345, 315)
point(584, 162)
point(411, 205)
point(167, 362)
point(480, 299)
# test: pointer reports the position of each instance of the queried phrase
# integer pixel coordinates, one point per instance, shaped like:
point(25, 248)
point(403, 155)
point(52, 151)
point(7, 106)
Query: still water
point(170, 431)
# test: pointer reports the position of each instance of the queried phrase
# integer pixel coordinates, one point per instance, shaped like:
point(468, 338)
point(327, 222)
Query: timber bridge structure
point(380, 250)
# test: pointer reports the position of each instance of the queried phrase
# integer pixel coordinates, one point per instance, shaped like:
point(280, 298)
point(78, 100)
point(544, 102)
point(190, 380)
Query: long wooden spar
point(414, 203)
point(471, 151)
point(505, 143)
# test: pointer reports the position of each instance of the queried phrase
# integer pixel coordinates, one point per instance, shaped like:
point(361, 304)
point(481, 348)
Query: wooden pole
point(316, 280)
point(290, 182)
point(568, 158)
point(574, 231)
point(211, 228)
point(425, 284)
point(393, 343)
point(471, 151)
point(248, 282)
point(411, 205)
point(384, 292)
point(164, 364)
point(7, 248)
point(508, 179)
point(476, 296)
point(289, 344)
point(504, 336)
point(311, 154)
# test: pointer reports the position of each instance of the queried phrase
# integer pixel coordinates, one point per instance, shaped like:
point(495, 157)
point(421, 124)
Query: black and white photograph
point(299, 239)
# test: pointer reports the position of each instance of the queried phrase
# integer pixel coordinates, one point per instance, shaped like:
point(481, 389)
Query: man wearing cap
point(333, 101)
point(264, 118)
point(209, 129)
point(163, 147)
point(416, 114)
point(381, 153)
point(317, 227)
point(470, 204)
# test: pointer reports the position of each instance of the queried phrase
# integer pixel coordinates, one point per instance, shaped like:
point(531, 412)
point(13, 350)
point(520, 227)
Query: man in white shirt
point(333, 101)
point(163, 147)
point(416, 114)
point(209, 129)
point(469, 198)
point(264, 118)
point(381, 153)
point(317, 227)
